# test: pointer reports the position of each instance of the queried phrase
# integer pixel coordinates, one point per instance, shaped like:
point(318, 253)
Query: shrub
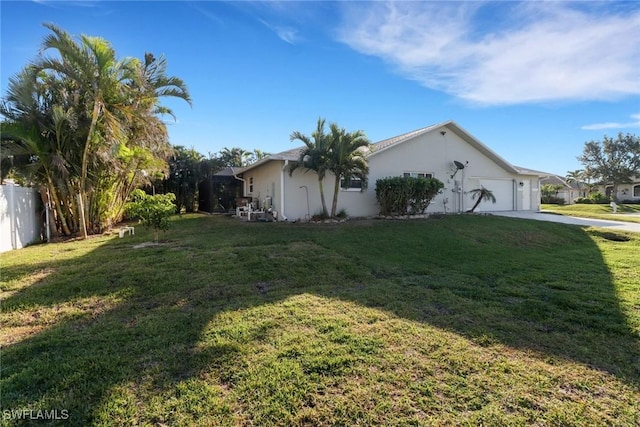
point(552, 200)
point(583, 201)
point(402, 195)
point(599, 198)
point(151, 211)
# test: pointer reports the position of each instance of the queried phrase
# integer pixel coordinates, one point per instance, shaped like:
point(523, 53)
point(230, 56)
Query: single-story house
point(567, 191)
point(444, 151)
point(626, 192)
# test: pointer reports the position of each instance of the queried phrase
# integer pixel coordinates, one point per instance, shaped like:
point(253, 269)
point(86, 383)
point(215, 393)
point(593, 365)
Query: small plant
point(481, 194)
point(342, 214)
point(152, 211)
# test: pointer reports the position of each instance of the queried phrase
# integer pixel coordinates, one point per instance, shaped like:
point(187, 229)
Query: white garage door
point(503, 191)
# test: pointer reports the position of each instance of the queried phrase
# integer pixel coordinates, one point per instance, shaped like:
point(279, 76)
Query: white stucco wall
point(429, 153)
point(434, 153)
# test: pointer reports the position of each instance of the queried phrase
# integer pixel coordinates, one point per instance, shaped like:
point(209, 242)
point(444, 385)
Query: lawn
point(464, 320)
point(627, 213)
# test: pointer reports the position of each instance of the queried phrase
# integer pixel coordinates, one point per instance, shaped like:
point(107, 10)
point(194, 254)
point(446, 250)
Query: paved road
point(585, 222)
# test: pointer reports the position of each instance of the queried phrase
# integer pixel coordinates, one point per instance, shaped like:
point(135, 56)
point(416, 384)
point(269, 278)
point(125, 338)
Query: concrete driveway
point(585, 222)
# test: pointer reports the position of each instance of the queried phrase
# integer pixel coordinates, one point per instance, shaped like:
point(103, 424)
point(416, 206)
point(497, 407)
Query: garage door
point(503, 191)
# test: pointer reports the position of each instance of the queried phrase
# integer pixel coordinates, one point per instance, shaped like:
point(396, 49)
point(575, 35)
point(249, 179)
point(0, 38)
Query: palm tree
point(482, 194)
point(235, 157)
point(314, 156)
point(258, 154)
point(97, 119)
point(576, 176)
point(347, 159)
point(98, 79)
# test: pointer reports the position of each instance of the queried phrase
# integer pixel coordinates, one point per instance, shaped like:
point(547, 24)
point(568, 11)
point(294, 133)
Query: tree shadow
point(161, 304)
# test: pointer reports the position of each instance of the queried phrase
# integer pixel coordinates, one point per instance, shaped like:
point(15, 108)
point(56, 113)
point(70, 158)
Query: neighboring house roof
point(385, 144)
point(527, 171)
point(229, 171)
point(555, 180)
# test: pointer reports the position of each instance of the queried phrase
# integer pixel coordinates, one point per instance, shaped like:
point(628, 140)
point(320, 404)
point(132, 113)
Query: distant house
point(567, 191)
point(628, 192)
point(444, 151)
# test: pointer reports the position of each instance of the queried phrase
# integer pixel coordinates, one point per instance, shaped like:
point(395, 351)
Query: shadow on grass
point(491, 280)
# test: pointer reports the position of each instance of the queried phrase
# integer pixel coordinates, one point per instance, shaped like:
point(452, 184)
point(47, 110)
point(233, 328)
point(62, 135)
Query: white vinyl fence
point(20, 217)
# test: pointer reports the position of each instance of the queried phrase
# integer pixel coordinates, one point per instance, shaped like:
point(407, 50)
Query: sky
point(532, 80)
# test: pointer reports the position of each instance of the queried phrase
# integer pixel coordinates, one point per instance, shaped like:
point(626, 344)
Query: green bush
point(599, 198)
point(552, 200)
point(151, 211)
point(583, 201)
point(401, 195)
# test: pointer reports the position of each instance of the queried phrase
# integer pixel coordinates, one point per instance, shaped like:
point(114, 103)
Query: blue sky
point(532, 80)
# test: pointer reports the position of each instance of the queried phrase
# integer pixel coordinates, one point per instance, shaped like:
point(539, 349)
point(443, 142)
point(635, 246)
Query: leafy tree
point(482, 194)
point(239, 157)
point(347, 159)
point(549, 193)
point(184, 176)
point(612, 161)
point(315, 156)
point(152, 210)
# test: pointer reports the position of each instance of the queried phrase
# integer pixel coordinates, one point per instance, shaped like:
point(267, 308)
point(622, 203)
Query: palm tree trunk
point(58, 207)
point(334, 204)
point(324, 204)
point(85, 160)
point(476, 205)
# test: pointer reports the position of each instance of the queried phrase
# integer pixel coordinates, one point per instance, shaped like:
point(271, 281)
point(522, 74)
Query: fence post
point(11, 206)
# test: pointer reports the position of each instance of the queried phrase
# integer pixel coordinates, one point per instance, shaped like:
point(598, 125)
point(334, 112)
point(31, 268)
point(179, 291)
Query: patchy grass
point(627, 213)
point(472, 320)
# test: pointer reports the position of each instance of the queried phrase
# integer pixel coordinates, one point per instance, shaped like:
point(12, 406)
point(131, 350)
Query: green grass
point(624, 212)
point(465, 320)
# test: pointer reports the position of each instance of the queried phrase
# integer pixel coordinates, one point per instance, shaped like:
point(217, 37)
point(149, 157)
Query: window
point(418, 174)
point(636, 190)
point(351, 184)
point(251, 185)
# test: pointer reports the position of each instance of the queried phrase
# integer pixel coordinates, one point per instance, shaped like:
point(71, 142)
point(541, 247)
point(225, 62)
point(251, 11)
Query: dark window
point(418, 174)
point(351, 184)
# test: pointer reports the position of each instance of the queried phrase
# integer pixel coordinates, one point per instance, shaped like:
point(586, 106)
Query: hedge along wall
point(406, 195)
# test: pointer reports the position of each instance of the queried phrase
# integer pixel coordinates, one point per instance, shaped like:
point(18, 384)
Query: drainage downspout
point(515, 194)
point(244, 183)
point(284, 167)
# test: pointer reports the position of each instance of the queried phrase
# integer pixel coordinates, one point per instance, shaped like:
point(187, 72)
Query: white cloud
point(635, 123)
point(284, 33)
point(503, 53)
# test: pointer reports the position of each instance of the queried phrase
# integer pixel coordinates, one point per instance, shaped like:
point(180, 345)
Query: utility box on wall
point(20, 217)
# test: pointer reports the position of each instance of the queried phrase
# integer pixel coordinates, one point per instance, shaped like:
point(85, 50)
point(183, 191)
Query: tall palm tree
point(482, 194)
point(100, 118)
point(576, 176)
point(347, 159)
point(93, 70)
point(314, 156)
